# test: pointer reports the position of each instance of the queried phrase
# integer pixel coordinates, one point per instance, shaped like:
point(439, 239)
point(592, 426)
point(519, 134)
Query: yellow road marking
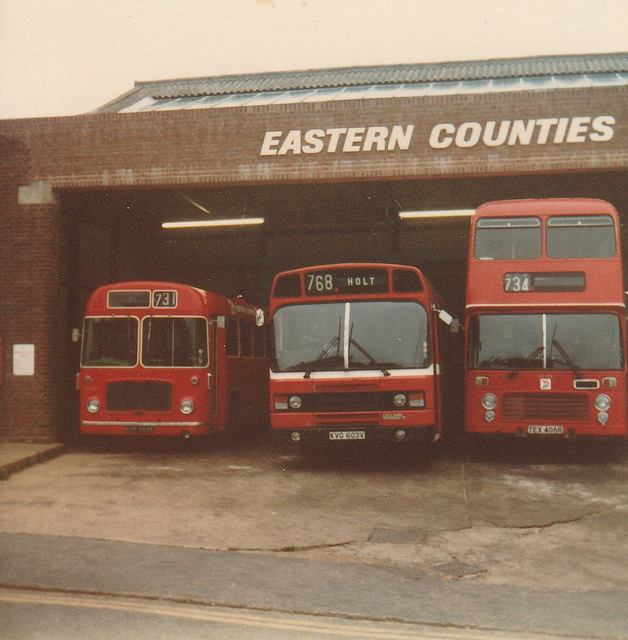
point(237, 617)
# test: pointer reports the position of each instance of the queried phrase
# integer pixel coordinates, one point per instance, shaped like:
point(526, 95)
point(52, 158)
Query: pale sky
point(66, 57)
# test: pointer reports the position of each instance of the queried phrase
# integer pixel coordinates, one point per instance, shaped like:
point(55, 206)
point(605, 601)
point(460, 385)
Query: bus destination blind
point(544, 282)
point(346, 281)
point(125, 299)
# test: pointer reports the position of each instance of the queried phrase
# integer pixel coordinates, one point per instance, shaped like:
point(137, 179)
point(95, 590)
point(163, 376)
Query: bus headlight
point(399, 400)
point(93, 405)
point(602, 417)
point(602, 402)
point(489, 416)
point(186, 406)
point(489, 401)
point(295, 402)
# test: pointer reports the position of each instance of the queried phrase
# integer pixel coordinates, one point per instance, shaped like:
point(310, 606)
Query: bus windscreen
point(110, 342)
point(590, 341)
point(351, 335)
point(174, 342)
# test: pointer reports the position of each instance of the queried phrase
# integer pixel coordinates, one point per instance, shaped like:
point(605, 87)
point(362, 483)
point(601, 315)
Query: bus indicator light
point(281, 403)
point(416, 399)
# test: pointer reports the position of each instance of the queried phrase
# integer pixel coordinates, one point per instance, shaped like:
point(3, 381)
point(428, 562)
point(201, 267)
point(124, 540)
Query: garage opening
point(117, 234)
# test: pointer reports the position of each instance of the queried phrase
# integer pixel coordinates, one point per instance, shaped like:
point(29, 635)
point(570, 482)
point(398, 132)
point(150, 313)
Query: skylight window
point(365, 92)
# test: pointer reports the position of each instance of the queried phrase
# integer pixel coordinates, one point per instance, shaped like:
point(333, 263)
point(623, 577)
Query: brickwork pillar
point(29, 300)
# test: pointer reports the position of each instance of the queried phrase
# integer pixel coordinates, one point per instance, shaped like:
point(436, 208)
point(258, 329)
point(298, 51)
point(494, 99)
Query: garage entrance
point(116, 235)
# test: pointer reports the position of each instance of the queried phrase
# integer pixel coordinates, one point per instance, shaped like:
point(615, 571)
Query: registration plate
point(545, 430)
point(139, 429)
point(347, 435)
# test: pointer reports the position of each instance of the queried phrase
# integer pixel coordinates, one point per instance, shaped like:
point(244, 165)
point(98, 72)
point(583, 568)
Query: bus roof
point(189, 299)
point(296, 292)
point(545, 206)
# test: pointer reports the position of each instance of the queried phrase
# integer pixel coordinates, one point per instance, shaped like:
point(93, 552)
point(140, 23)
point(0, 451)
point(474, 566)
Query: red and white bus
point(545, 320)
point(355, 354)
point(165, 359)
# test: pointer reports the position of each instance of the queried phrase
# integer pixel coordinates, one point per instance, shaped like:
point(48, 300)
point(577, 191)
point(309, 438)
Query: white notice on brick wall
point(23, 359)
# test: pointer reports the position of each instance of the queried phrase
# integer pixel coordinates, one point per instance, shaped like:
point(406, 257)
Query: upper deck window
point(288, 286)
point(508, 239)
point(581, 237)
point(406, 281)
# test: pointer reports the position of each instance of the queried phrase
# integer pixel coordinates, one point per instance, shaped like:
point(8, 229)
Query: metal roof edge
point(449, 71)
point(391, 67)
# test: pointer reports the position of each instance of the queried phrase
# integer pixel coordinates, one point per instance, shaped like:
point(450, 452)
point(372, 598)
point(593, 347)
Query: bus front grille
point(130, 395)
point(352, 402)
point(545, 406)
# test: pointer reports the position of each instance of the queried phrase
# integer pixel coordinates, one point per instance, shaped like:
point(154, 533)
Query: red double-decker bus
point(545, 321)
point(165, 359)
point(355, 354)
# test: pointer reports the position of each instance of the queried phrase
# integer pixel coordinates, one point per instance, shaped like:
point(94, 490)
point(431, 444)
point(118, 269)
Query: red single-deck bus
point(356, 354)
point(165, 359)
point(545, 338)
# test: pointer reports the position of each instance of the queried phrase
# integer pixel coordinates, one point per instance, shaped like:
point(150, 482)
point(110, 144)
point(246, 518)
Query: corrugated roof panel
point(448, 72)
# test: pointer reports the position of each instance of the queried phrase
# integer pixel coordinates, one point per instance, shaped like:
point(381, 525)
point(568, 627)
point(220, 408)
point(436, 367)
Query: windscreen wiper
point(572, 365)
point(359, 347)
point(334, 342)
point(537, 352)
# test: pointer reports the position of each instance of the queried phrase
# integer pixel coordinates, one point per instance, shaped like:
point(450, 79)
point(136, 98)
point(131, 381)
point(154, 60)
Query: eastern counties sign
point(443, 135)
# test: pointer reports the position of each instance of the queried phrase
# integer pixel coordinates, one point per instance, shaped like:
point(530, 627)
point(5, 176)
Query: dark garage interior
point(116, 235)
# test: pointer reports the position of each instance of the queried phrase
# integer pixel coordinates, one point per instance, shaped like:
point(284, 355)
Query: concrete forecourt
point(521, 538)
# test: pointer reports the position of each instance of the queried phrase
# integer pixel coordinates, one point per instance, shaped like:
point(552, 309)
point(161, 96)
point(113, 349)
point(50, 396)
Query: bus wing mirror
point(259, 317)
point(76, 335)
point(445, 317)
point(449, 320)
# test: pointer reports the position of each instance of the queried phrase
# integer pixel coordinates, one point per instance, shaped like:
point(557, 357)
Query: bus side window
point(233, 343)
point(258, 347)
point(246, 339)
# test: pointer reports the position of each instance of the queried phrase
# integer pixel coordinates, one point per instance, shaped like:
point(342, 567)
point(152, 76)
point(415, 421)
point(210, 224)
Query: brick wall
point(29, 267)
point(223, 145)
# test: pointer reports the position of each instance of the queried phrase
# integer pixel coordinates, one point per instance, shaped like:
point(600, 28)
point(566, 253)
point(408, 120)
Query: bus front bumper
point(136, 428)
point(357, 433)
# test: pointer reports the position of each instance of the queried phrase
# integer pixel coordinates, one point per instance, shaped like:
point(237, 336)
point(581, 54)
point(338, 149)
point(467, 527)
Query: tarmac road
point(522, 537)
